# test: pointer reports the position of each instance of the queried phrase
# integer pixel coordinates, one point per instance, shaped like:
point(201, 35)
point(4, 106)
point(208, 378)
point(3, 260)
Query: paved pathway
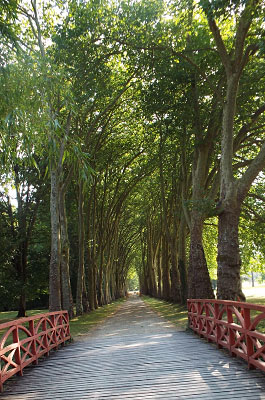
point(135, 355)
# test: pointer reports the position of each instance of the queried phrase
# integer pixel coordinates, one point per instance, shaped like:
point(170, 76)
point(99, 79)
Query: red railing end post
point(17, 351)
point(33, 345)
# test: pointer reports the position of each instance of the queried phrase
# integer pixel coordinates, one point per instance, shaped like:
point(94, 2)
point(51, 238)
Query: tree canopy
point(132, 150)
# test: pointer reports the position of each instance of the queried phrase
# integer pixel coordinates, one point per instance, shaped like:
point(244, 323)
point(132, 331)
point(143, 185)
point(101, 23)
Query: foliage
point(141, 89)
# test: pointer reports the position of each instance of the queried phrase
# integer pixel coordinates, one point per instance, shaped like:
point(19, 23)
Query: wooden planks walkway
point(136, 354)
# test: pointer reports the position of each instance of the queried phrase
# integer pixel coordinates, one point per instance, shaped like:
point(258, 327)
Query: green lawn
point(6, 316)
point(175, 313)
point(178, 314)
point(79, 326)
point(257, 300)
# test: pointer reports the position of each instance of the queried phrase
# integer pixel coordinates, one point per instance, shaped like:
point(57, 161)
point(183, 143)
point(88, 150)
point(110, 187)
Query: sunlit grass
point(175, 313)
point(261, 301)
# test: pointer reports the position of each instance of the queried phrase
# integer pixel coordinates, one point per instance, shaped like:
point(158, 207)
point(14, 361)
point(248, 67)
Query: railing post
point(231, 333)
point(199, 313)
point(208, 325)
point(17, 351)
point(61, 328)
point(218, 329)
point(68, 326)
point(45, 339)
point(249, 343)
point(33, 344)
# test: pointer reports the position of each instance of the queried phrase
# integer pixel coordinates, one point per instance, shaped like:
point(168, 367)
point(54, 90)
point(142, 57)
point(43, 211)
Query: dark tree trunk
point(229, 262)
point(175, 278)
point(81, 242)
point(182, 260)
point(21, 267)
point(54, 279)
point(100, 295)
point(199, 279)
point(159, 276)
point(85, 301)
point(91, 285)
point(165, 270)
point(22, 305)
point(66, 291)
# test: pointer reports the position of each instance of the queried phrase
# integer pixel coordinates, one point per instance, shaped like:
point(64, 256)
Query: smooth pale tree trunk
point(252, 279)
point(54, 272)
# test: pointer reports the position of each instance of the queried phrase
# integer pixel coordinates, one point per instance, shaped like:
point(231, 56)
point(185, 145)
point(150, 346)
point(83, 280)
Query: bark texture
point(199, 280)
point(54, 279)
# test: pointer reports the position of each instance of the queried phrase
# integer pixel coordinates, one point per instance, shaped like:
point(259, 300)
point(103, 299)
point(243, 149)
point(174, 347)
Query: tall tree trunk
point(54, 280)
point(85, 301)
point(66, 292)
point(232, 190)
point(91, 284)
point(23, 277)
point(171, 238)
point(175, 276)
point(100, 294)
point(182, 260)
point(199, 279)
point(81, 243)
point(229, 262)
point(159, 275)
point(165, 270)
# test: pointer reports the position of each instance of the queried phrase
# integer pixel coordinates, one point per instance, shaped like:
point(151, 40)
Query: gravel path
point(136, 354)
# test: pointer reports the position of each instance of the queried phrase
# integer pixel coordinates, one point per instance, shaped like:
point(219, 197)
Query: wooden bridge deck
point(136, 354)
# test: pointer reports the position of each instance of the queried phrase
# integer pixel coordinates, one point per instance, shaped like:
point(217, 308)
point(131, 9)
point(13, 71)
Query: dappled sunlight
point(138, 354)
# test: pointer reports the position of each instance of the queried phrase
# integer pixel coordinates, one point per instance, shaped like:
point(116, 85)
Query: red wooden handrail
point(26, 339)
point(230, 325)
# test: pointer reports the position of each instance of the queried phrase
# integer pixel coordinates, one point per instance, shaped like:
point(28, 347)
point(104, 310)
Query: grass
point(79, 326)
point(6, 316)
point(177, 314)
point(261, 301)
point(174, 313)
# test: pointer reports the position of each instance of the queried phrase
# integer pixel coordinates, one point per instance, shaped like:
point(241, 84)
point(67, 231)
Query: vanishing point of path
point(136, 354)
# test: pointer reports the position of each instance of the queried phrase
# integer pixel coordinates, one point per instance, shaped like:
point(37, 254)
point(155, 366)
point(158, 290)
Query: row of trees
point(138, 127)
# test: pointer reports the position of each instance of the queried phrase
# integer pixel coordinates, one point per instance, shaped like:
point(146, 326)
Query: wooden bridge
point(136, 354)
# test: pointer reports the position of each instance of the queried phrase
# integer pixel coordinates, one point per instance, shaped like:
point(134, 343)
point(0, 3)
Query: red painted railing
point(232, 325)
point(24, 340)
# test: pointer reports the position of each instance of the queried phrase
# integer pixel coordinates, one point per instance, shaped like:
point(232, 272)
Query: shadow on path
point(136, 354)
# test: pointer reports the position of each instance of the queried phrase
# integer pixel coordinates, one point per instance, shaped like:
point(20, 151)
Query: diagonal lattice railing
point(25, 340)
point(238, 327)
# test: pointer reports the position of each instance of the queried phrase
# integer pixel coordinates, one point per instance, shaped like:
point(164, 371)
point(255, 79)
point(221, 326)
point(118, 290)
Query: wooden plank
point(137, 355)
